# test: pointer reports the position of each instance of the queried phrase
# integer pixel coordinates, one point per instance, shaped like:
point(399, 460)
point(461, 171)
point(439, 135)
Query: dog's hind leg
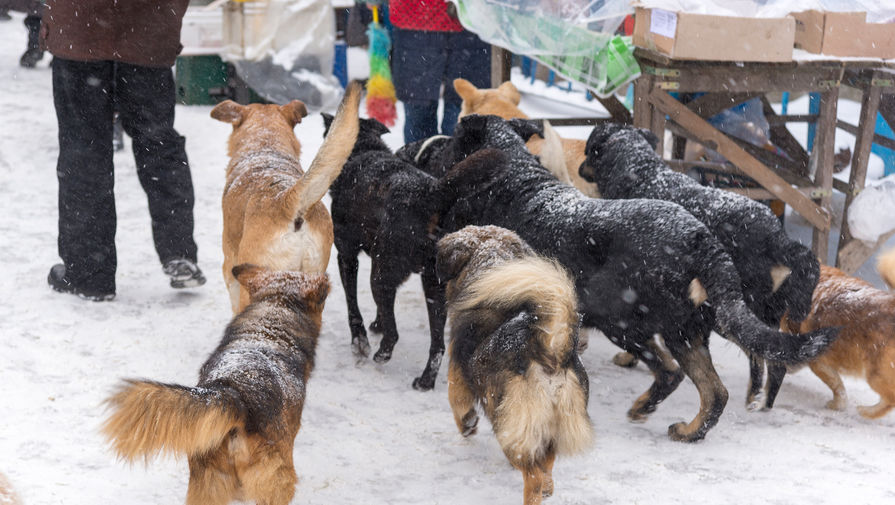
point(754, 398)
point(549, 458)
point(348, 265)
point(881, 380)
point(533, 481)
point(696, 362)
point(666, 376)
point(384, 283)
point(776, 373)
point(435, 305)
point(831, 378)
point(212, 481)
point(462, 401)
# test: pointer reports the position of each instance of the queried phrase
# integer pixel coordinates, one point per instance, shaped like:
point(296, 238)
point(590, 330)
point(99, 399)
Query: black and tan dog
point(777, 273)
point(514, 332)
point(642, 267)
point(389, 209)
point(237, 426)
point(273, 215)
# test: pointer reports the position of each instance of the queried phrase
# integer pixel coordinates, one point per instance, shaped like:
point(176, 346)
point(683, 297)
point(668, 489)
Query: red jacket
point(424, 15)
point(139, 32)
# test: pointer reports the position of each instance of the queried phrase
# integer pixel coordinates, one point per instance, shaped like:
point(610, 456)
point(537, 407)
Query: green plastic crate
point(196, 76)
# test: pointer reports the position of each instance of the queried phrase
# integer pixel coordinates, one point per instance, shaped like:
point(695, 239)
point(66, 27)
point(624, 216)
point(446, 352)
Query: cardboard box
point(843, 34)
point(686, 36)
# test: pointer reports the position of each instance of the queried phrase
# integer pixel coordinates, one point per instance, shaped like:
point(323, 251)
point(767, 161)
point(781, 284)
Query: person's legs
point(467, 57)
point(145, 100)
point(86, 176)
point(420, 120)
point(418, 61)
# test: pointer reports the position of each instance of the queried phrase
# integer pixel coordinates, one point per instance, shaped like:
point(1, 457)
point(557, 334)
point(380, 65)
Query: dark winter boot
point(34, 53)
point(184, 274)
point(59, 282)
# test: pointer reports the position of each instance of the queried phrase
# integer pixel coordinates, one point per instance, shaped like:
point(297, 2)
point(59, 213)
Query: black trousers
point(86, 95)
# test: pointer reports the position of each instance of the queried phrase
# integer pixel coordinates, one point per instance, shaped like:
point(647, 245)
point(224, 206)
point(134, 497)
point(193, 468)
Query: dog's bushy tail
point(332, 155)
point(885, 265)
point(735, 321)
point(547, 406)
point(794, 294)
point(541, 284)
point(150, 417)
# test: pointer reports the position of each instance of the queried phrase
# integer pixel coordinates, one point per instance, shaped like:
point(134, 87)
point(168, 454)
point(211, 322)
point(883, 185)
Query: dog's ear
point(294, 111)
point(229, 111)
point(379, 128)
point(454, 252)
point(465, 89)
point(249, 276)
point(526, 127)
point(315, 289)
point(649, 136)
point(509, 91)
point(327, 122)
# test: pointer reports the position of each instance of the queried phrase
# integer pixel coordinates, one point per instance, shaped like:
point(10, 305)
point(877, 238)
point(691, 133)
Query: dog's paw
point(470, 424)
point(382, 356)
point(678, 433)
point(838, 403)
point(547, 487)
point(624, 359)
point(360, 347)
point(423, 384)
point(756, 403)
point(376, 326)
point(637, 416)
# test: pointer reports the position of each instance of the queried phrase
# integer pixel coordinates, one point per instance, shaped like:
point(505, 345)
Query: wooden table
point(800, 179)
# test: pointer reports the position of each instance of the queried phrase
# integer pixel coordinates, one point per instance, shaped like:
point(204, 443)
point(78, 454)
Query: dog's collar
point(426, 144)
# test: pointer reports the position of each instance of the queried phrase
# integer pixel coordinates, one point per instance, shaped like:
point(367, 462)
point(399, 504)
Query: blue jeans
point(421, 119)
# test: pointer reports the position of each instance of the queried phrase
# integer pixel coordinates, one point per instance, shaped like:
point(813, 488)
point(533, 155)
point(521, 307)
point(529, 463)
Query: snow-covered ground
point(366, 437)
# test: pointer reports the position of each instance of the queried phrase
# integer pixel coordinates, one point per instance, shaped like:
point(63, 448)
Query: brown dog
point(866, 344)
point(503, 101)
point(273, 215)
point(238, 425)
point(514, 331)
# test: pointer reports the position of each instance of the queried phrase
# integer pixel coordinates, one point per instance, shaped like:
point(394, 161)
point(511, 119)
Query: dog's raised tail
point(735, 321)
point(885, 265)
point(149, 418)
point(332, 155)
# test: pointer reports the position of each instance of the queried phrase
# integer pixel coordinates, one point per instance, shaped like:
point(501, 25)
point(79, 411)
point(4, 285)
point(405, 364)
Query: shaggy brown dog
point(514, 332)
point(238, 425)
point(273, 215)
point(866, 344)
point(503, 101)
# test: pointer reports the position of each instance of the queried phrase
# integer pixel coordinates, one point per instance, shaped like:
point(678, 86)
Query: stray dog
point(866, 344)
point(273, 216)
point(641, 267)
point(503, 101)
point(777, 273)
point(389, 209)
point(514, 333)
point(238, 425)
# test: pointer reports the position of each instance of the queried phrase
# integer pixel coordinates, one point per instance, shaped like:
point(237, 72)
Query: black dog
point(777, 274)
point(641, 267)
point(389, 209)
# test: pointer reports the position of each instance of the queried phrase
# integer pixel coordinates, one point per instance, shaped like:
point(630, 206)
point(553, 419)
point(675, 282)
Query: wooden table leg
point(851, 256)
point(824, 144)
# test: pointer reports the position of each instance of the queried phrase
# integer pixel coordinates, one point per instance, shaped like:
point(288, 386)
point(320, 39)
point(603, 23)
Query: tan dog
point(514, 330)
point(238, 425)
point(273, 215)
point(866, 344)
point(504, 102)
